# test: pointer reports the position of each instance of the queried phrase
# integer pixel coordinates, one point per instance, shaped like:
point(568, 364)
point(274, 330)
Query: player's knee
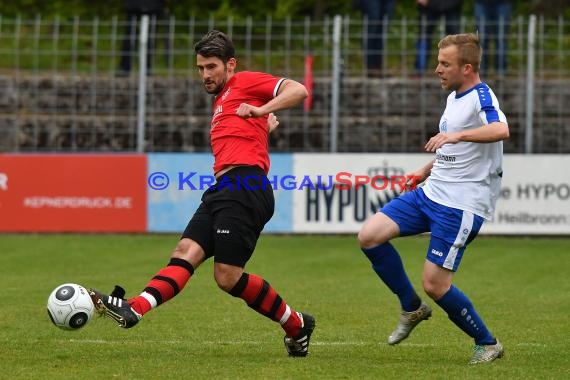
point(224, 284)
point(430, 291)
point(226, 277)
point(182, 248)
point(377, 230)
point(190, 251)
point(367, 239)
point(435, 290)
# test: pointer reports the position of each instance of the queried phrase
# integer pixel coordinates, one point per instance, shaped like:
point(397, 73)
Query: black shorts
point(232, 214)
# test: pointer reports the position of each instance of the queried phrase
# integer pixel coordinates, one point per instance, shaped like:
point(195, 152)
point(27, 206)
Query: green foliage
point(206, 334)
point(62, 8)
point(259, 9)
point(316, 9)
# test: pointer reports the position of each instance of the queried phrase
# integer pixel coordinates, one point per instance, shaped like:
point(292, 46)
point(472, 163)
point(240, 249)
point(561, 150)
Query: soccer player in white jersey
point(460, 189)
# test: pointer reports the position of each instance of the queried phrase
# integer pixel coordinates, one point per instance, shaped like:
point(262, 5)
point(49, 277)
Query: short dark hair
point(216, 44)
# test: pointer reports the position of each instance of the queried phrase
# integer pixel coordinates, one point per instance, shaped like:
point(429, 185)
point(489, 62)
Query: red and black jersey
point(238, 141)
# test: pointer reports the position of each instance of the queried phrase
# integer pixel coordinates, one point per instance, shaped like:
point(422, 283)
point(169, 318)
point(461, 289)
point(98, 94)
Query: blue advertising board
point(176, 182)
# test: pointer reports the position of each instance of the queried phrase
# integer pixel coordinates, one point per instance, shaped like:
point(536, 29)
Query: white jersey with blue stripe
point(467, 175)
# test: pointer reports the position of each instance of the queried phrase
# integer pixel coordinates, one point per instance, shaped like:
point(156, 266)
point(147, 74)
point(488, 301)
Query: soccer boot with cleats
point(487, 353)
point(409, 320)
point(115, 306)
point(298, 346)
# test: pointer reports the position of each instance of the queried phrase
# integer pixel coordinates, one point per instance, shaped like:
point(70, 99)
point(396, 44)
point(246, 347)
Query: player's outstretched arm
point(493, 132)
point(289, 94)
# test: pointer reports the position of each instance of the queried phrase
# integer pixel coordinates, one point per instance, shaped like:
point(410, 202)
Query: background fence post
point(528, 138)
point(141, 107)
point(335, 82)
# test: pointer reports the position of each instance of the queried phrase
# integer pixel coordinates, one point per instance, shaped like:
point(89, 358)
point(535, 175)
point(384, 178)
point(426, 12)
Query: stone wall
point(99, 113)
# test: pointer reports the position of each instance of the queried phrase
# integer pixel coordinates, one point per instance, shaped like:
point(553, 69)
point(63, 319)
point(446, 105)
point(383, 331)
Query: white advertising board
point(535, 197)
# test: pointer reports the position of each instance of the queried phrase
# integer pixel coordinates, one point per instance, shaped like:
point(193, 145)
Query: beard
point(214, 88)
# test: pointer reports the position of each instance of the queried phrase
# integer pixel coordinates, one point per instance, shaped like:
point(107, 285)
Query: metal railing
point(61, 90)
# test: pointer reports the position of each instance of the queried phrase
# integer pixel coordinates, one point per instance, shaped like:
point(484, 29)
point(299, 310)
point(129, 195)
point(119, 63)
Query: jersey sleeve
point(488, 106)
point(261, 85)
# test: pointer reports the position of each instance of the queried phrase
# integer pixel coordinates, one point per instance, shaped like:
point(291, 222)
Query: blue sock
point(461, 312)
point(387, 264)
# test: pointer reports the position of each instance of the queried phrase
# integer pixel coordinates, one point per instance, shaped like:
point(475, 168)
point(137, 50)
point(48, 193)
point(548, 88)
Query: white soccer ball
point(70, 307)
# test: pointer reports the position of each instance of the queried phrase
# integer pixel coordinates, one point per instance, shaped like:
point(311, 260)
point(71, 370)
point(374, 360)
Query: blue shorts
point(451, 229)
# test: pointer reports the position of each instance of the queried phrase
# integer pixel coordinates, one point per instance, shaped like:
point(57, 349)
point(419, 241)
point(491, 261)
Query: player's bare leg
point(166, 284)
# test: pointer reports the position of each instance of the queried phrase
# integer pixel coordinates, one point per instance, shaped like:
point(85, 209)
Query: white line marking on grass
point(530, 344)
point(102, 341)
point(371, 344)
point(252, 343)
point(241, 342)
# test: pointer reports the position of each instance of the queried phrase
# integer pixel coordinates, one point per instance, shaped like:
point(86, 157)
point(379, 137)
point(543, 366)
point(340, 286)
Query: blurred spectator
point(430, 12)
point(134, 9)
point(493, 18)
point(378, 12)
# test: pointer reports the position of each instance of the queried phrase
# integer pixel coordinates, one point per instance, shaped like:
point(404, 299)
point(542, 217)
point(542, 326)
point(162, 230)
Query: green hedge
point(241, 9)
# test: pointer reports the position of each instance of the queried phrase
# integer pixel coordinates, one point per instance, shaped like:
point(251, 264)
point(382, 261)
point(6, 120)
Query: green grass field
point(519, 285)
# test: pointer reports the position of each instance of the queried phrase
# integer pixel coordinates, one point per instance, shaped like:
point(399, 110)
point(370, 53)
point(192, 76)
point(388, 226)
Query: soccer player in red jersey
point(233, 212)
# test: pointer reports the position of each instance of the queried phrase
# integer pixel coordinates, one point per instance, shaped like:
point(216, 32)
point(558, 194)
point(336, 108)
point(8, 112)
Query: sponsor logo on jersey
point(445, 158)
point(226, 94)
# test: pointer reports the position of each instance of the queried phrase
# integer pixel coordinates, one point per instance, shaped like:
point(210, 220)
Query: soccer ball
point(70, 307)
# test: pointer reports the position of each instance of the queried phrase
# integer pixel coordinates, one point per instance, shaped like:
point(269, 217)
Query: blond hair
point(468, 46)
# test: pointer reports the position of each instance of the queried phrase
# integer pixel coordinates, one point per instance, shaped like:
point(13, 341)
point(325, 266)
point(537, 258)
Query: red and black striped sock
point(167, 283)
point(261, 297)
